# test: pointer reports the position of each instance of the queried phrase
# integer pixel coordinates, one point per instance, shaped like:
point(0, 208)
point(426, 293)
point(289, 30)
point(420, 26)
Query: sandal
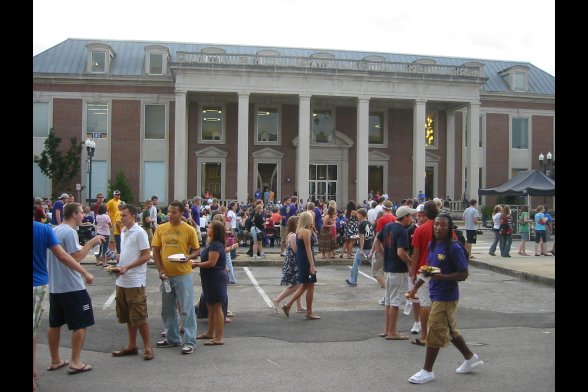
point(312, 316)
point(286, 309)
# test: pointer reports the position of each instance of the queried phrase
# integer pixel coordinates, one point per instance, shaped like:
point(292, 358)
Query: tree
point(60, 167)
point(122, 184)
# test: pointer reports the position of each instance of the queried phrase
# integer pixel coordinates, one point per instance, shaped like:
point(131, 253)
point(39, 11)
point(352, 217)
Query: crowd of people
point(396, 239)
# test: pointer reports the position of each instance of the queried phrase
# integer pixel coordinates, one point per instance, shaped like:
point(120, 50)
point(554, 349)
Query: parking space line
point(109, 300)
point(267, 300)
point(366, 275)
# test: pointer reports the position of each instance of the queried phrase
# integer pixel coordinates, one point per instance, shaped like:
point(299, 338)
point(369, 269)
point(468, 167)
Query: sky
point(513, 30)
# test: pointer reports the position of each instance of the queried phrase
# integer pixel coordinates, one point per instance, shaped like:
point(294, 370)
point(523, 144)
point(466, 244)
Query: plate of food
point(178, 257)
point(110, 268)
point(429, 270)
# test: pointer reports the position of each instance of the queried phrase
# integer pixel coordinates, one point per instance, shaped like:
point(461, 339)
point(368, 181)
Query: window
point(98, 62)
point(376, 179)
point(430, 130)
point(99, 179)
point(268, 124)
point(212, 124)
point(323, 125)
point(520, 133)
point(97, 120)
point(211, 178)
point(154, 121)
point(155, 64)
point(519, 81)
point(40, 119)
point(99, 58)
point(154, 181)
point(40, 182)
point(376, 131)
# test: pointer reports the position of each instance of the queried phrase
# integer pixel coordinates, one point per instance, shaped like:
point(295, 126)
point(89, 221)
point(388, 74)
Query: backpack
point(460, 238)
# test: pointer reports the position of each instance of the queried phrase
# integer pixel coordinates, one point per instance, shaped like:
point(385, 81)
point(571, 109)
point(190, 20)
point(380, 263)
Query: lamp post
point(546, 163)
point(90, 147)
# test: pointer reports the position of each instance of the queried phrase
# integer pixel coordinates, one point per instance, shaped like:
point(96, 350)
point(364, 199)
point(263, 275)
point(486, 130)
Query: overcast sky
point(516, 30)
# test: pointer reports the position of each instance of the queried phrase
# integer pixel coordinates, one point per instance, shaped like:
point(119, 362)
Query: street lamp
point(90, 147)
point(547, 167)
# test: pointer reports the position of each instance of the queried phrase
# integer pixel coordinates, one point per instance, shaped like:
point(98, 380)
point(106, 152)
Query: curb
point(517, 274)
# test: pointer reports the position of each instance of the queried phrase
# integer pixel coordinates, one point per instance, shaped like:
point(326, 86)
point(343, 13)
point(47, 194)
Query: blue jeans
point(231, 271)
point(495, 242)
point(104, 246)
point(355, 267)
point(182, 292)
point(505, 242)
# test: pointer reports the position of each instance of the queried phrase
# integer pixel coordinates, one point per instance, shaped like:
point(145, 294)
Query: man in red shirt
point(420, 242)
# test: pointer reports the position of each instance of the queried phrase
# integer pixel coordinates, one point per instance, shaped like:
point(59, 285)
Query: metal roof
point(70, 57)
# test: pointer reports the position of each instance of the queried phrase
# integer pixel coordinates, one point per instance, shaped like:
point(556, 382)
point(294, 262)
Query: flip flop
point(397, 337)
point(418, 342)
point(383, 335)
point(85, 368)
point(59, 366)
point(203, 336)
point(213, 343)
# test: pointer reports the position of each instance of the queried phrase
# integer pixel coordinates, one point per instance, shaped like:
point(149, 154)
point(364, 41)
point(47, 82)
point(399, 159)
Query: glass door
point(323, 182)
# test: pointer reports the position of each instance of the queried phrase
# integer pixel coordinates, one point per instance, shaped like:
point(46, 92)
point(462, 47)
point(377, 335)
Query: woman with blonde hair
point(289, 270)
point(305, 263)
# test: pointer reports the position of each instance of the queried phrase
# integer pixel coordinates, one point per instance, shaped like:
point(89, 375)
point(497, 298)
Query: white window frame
point(108, 55)
point(384, 128)
point(523, 75)
point(435, 145)
point(144, 121)
point(512, 118)
point(279, 130)
point(223, 136)
point(49, 117)
point(149, 70)
point(85, 118)
point(333, 111)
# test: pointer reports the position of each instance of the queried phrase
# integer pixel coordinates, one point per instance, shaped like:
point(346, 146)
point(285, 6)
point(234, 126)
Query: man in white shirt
point(131, 302)
point(153, 212)
point(471, 218)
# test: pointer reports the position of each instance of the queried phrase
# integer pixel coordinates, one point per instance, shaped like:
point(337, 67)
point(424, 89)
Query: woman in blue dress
point(305, 262)
point(214, 282)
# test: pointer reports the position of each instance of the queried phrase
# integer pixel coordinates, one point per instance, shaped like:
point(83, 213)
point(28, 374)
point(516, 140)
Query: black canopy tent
point(525, 183)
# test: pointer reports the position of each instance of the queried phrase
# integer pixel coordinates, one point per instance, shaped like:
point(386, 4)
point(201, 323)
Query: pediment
point(211, 152)
point(430, 157)
point(341, 140)
point(378, 156)
point(267, 153)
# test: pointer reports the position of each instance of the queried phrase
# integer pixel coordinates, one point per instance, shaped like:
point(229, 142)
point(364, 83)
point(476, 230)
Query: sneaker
point(262, 254)
point(165, 343)
point(163, 333)
point(256, 257)
point(416, 328)
point(350, 283)
point(382, 301)
point(422, 377)
point(469, 364)
point(187, 349)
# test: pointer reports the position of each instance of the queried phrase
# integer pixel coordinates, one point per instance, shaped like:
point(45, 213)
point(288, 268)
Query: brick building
point(179, 119)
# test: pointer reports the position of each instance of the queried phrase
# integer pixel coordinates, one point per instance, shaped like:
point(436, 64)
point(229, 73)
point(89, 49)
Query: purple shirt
point(449, 262)
point(58, 205)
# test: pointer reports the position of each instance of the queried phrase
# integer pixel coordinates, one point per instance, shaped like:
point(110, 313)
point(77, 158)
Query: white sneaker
point(416, 328)
point(256, 257)
point(469, 364)
point(262, 254)
point(422, 377)
point(382, 301)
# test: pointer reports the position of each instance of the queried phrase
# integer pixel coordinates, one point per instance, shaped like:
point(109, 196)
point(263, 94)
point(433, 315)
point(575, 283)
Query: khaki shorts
point(442, 326)
point(149, 233)
point(38, 297)
point(396, 286)
point(423, 293)
point(131, 305)
point(283, 234)
point(378, 265)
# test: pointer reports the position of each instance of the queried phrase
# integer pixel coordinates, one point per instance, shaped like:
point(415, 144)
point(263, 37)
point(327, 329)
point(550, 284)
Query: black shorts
point(471, 236)
point(73, 308)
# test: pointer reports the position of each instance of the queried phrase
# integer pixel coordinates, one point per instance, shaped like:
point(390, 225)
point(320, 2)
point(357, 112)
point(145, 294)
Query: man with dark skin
point(450, 257)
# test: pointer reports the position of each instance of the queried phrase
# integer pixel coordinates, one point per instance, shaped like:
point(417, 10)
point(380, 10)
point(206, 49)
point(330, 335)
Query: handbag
point(259, 236)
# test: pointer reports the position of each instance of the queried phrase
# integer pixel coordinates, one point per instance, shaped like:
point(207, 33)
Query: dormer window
point(99, 58)
point(516, 78)
point(156, 59)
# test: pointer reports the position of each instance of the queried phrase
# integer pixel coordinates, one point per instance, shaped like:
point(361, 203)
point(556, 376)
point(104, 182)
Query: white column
point(418, 147)
point(450, 158)
point(243, 147)
point(181, 149)
point(473, 151)
point(362, 162)
point(303, 153)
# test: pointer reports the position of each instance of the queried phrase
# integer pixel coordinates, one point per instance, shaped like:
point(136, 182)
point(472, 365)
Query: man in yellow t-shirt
point(112, 209)
point(176, 237)
point(117, 223)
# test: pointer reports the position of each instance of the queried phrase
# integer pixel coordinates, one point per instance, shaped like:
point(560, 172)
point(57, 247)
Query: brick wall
point(125, 143)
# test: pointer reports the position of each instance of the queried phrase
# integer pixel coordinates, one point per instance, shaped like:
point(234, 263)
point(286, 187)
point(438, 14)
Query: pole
point(90, 179)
